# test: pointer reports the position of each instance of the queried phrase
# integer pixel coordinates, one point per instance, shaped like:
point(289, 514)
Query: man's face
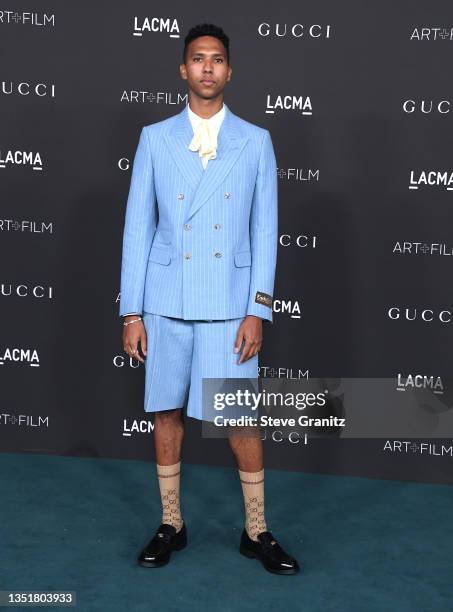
point(206, 69)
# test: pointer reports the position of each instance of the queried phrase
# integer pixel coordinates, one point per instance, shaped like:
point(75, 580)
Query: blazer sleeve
point(264, 233)
point(139, 229)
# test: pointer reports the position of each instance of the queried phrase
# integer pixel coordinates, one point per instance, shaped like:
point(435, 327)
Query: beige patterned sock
point(253, 489)
point(169, 478)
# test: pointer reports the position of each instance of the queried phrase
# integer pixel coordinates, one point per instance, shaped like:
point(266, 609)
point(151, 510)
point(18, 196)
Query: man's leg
point(256, 540)
point(171, 534)
point(168, 436)
point(248, 451)
point(166, 385)
point(214, 357)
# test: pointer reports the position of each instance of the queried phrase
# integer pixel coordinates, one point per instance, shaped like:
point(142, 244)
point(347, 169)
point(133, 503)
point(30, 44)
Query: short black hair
point(206, 29)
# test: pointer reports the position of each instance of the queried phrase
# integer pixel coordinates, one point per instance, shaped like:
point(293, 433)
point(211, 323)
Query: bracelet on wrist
point(125, 323)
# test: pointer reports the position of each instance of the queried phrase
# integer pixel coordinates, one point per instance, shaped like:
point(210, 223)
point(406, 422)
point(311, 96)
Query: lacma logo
point(21, 158)
point(18, 355)
point(287, 307)
point(419, 381)
point(432, 178)
point(156, 24)
point(289, 103)
point(137, 426)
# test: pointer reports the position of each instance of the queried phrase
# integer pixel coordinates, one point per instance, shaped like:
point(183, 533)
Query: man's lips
point(207, 81)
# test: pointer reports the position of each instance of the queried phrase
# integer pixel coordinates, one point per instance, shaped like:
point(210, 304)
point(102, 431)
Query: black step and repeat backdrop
point(358, 98)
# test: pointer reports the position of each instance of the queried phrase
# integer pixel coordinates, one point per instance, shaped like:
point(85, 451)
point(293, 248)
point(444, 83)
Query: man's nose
point(207, 67)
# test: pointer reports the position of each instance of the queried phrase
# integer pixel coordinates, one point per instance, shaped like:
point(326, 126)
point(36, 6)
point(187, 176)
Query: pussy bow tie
point(204, 140)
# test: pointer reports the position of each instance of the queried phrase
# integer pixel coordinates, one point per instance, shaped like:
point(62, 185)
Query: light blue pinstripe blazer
point(201, 244)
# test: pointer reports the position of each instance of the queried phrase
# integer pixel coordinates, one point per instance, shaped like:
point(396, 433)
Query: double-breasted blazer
point(201, 243)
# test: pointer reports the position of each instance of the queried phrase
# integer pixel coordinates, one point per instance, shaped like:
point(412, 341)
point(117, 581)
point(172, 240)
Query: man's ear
point(230, 72)
point(183, 71)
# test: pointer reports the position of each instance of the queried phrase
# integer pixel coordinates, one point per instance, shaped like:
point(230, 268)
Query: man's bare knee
point(168, 417)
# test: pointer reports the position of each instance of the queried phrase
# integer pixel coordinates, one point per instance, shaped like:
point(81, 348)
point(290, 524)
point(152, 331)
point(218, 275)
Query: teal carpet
point(78, 524)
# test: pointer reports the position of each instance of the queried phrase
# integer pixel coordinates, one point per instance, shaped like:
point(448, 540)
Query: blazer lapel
point(178, 139)
point(229, 146)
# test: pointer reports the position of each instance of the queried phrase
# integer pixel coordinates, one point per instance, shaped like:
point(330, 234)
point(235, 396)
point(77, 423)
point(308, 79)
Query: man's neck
point(205, 108)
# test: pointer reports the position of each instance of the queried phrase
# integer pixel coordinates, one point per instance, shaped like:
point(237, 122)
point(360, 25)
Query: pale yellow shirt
point(214, 123)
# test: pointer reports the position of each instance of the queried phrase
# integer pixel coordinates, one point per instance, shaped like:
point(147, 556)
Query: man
point(199, 257)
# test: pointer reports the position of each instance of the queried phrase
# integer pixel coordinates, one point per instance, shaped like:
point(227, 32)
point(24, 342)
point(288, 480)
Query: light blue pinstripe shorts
point(181, 353)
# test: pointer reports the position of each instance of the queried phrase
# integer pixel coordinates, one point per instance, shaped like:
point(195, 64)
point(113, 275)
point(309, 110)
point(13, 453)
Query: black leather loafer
point(269, 552)
point(158, 550)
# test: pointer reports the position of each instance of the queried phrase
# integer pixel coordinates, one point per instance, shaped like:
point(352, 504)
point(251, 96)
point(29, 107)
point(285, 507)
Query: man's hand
point(132, 334)
point(251, 331)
